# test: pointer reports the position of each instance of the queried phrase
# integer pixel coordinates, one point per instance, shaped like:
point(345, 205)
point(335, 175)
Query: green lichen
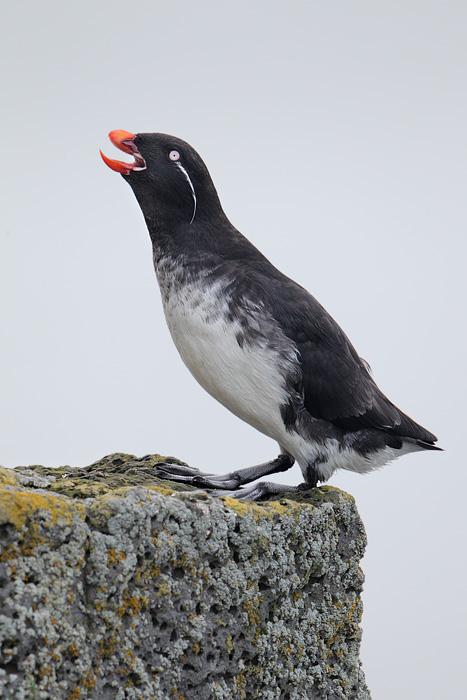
point(115, 471)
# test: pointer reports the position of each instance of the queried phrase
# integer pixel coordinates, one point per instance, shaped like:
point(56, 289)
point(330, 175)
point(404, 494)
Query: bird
point(254, 339)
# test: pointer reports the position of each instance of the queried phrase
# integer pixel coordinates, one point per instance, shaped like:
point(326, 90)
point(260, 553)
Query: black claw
point(202, 481)
point(174, 477)
point(176, 470)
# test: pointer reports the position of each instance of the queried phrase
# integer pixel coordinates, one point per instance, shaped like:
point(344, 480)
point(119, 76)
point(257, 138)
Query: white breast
point(249, 380)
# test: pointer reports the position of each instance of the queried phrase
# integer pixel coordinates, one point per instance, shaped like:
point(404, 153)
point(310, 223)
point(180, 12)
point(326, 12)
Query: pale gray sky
point(336, 136)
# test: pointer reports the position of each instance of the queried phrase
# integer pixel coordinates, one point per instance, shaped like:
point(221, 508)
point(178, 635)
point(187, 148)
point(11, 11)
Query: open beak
point(124, 140)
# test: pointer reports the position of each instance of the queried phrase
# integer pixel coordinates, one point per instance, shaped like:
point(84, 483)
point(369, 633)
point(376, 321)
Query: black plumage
point(299, 378)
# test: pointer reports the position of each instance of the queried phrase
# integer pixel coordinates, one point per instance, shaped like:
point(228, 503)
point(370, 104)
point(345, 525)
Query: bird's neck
point(203, 256)
point(206, 242)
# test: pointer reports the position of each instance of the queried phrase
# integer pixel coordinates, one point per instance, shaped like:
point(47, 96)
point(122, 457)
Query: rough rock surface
point(115, 585)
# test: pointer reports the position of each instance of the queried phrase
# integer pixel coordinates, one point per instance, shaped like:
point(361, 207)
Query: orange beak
point(124, 141)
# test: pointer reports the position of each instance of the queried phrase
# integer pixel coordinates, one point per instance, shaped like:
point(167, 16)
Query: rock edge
point(116, 585)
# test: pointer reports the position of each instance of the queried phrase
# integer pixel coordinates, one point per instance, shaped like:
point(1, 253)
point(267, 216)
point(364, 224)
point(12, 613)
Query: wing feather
point(337, 384)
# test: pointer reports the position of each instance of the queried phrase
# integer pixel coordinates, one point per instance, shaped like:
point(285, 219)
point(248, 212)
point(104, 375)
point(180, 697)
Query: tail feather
point(408, 428)
point(428, 445)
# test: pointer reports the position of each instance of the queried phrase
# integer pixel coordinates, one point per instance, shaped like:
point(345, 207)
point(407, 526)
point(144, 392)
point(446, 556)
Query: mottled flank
point(117, 586)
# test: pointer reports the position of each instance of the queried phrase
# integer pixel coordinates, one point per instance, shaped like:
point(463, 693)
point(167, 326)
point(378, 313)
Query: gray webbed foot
point(193, 476)
point(227, 483)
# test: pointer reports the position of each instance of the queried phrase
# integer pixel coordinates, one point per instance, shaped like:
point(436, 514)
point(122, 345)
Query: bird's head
point(169, 179)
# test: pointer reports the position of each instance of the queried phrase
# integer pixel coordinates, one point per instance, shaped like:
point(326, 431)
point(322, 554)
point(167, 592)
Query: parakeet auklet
point(255, 340)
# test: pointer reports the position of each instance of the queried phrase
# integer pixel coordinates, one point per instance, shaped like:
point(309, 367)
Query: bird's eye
point(174, 155)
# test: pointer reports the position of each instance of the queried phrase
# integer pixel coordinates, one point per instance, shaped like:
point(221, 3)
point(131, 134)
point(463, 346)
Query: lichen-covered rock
point(115, 585)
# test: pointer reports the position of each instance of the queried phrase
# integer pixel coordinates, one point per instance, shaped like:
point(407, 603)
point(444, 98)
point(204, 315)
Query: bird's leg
point(256, 492)
point(233, 480)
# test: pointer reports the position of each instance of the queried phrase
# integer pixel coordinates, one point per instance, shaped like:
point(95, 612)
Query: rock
point(116, 585)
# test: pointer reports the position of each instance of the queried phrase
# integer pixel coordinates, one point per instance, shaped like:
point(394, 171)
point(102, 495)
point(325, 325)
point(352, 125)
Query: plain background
point(335, 133)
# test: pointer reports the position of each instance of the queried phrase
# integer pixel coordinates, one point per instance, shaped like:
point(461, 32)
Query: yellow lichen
point(114, 557)
point(108, 646)
point(8, 477)
point(90, 680)
point(185, 563)
point(154, 571)
point(251, 608)
point(267, 509)
point(174, 692)
point(163, 589)
point(18, 507)
point(132, 605)
point(240, 684)
point(10, 552)
point(73, 650)
point(130, 656)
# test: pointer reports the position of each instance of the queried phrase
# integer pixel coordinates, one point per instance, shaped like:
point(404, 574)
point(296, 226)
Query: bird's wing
point(336, 382)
